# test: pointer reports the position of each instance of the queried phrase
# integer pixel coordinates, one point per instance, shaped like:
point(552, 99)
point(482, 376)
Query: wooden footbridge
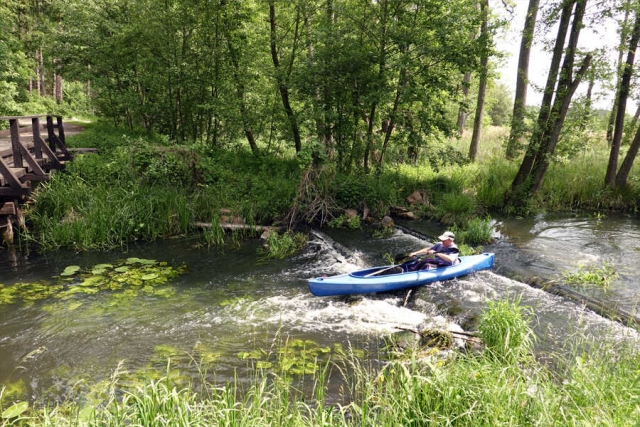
point(30, 151)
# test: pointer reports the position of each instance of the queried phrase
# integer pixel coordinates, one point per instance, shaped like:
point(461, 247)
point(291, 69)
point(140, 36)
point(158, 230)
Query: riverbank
point(500, 385)
point(146, 188)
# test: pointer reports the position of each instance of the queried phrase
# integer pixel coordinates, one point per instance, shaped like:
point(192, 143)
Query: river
point(231, 306)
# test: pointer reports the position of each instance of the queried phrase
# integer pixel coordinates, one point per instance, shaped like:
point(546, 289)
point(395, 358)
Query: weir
point(26, 157)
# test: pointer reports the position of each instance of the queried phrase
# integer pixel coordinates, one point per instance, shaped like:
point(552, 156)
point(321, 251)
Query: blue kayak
point(376, 279)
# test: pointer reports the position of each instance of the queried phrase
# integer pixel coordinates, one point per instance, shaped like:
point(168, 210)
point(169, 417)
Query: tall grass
point(596, 383)
point(505, 330)
point(143, 188)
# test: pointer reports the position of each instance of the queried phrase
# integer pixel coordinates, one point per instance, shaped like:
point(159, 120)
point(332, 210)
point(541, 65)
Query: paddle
point(399, 260)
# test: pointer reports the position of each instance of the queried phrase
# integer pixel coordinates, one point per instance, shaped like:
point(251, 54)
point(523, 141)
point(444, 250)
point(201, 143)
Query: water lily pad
point(15, 410)
point(122, 269)
point(92, 281)
point(141, 261)
point(149, 276)
point(105, 266)
point(70, 270)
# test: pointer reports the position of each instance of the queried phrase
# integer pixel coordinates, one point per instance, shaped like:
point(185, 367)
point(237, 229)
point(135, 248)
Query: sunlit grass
point(593, 383)
point(141, 188)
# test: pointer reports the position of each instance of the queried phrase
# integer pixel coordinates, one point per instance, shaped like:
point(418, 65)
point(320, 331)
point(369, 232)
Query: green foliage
point(591, 275)
point(283, 245)
point(351, 222)
point(442, 155)
point(505, 330)
point(468, 250)
point(455, 209)
point(578, 388)
point(132, 275)
point(477, 231)
point(294, 357)
point(137, 189)
point(577, 132)
point(499, 105)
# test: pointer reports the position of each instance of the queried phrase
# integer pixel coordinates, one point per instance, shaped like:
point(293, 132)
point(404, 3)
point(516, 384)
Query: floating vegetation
point(137, 275)
point(284, 245)
point(296, 357)
point(590, 275)
point(27, 292)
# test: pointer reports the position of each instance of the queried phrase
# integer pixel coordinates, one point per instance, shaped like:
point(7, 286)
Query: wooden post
point(61, 130)
point(15, 142)
point(37, 140)
point(55, 140)
point(51, 134)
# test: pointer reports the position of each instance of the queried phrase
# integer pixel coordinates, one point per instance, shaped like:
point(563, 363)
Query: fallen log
point(227, 226)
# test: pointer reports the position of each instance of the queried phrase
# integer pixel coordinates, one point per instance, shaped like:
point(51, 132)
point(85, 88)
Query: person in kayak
point(446, 253)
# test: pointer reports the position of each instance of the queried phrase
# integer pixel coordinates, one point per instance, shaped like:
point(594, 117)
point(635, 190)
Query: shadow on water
point(231, 306)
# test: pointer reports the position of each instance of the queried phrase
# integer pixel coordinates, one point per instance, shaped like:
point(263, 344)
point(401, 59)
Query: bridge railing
point(26, 156)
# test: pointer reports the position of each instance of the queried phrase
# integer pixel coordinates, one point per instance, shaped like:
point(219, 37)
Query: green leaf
point(15, 410)
point(70, 270)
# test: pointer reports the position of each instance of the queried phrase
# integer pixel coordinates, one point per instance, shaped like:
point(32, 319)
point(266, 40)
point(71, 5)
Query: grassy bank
point(144, 188)
point(499, 385)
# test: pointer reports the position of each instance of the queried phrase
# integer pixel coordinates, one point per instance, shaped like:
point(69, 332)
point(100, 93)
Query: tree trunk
point(522, 80)
point(282, 81)
point(631, 128)
point(623, 38)
point(551, 116)
point(248, 132)
point(627, 164)
point(463, 111)
point(564, 93)
point(622, 95)
point(41, 72)
point(482, 84)
point(402, 79)
point(382, 64)
point(518, 189)
point(560, 113)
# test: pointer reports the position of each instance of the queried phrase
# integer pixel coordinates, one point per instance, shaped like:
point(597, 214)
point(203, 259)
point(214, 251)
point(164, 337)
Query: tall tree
point(522, 80)
point(624, 34)
point(283, 76)
point(482, 84)
point(559, 90)
point(622, 96)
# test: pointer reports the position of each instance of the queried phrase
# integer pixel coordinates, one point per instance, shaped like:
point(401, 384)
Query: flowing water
point(231, 306)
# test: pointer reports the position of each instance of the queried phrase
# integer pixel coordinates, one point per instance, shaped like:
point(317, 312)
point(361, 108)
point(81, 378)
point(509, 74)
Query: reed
point(505, 330)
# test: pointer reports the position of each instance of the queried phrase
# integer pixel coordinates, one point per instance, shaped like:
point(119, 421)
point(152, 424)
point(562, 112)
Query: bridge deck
point(30, 150)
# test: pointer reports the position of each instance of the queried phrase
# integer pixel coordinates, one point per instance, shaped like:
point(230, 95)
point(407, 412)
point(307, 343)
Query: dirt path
point(26, 134)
